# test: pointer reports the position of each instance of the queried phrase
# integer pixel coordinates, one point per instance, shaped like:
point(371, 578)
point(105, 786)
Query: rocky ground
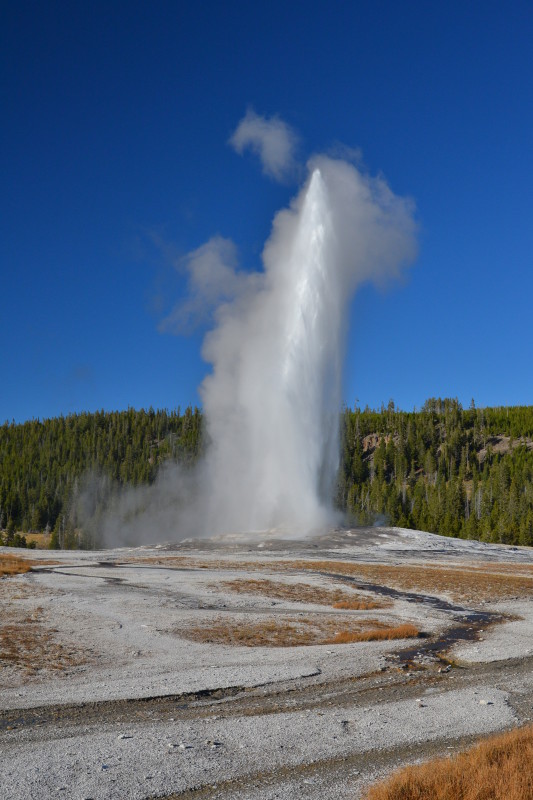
point(215, 669)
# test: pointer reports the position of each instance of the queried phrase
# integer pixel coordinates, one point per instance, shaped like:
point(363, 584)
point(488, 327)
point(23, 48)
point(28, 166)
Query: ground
point(258, 667)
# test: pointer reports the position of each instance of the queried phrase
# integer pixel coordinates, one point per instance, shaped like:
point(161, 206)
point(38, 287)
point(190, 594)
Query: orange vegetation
point(498, 768)
point(295, 631)
point(13, 565)
point(304, 593)
point(405, 631)
point(42, 540)
point(487, 582)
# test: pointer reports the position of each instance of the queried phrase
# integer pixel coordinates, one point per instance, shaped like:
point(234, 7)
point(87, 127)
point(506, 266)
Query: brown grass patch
point(498, 768)
point(360, 605)
point(295, 632)
point(31, 647)
point(303, 593)
point(42, 540)
point(478, 584)
point(404, 631)
point(13, 565)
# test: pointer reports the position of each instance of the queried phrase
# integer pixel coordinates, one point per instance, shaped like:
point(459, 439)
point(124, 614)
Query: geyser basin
point(119, 685)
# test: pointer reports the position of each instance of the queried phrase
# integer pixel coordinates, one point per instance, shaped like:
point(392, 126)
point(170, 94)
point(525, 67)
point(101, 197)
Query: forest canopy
point(443, 469)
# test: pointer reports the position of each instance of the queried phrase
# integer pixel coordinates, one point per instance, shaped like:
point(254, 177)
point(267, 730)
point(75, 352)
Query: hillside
point(443, 469)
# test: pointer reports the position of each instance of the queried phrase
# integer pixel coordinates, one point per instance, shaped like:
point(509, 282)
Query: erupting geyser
point(273, 399)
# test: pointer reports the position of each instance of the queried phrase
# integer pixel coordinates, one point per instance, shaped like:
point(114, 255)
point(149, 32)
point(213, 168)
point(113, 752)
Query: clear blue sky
point(114, 130)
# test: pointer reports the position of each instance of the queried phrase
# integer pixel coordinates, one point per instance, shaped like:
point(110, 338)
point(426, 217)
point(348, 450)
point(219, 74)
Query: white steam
point(273, 398)
point(213, 277)
point(271, 139)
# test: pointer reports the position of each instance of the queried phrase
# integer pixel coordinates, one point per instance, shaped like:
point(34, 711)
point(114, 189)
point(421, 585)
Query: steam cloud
point(213, 277)
point(273, 398)
point(271, 139)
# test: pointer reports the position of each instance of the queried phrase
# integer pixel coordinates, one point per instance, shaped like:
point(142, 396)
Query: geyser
point(273, 399)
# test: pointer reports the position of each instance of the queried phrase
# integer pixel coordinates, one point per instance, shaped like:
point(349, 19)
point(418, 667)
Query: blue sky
point(115, 161)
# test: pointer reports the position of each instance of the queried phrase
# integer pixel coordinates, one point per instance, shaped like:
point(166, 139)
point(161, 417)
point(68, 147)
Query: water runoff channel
point(466, 623)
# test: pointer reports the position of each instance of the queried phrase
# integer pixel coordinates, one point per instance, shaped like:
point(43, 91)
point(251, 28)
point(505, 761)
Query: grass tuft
point(405, 631)
point(295, 631)
point(498, 768)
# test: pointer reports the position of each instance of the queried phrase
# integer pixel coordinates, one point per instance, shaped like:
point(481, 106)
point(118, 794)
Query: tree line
point(45, 465)
point(444, 469)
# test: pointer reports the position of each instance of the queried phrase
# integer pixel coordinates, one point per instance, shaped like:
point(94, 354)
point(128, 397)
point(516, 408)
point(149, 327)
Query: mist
point(273, 397)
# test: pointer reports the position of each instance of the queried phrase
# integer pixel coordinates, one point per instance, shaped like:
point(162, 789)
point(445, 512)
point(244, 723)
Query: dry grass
point(303, 593)
point(483, 583)
point(477, 583)
point(26, 643)
point(31, 647)
point(295, 632)
point(404, 631)
point(499, 768)
point(361, 604)
point(163, 561)
point(13, 565)
point(20, 590)
point(503, 567)
point(183, 562)
point(42, 540)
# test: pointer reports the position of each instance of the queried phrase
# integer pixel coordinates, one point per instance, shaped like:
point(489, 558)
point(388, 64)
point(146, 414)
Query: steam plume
point(213, 278)
point(273, 398)
point(271, 139)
